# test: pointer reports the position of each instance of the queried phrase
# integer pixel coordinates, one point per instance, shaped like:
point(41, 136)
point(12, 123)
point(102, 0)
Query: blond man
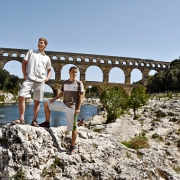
point(34, 67)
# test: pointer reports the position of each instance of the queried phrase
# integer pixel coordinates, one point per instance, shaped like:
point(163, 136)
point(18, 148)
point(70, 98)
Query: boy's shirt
point(71, 92)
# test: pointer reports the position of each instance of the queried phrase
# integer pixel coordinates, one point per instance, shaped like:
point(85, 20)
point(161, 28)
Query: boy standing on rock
point(72, 91)
point(34, 67)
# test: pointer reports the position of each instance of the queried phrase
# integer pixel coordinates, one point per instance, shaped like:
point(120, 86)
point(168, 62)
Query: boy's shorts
point(29, 85)
point(60, 106)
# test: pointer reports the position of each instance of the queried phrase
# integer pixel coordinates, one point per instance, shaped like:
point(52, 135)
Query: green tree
point(114, 99)
point(167, 80)
point(93, 91)
point(8, 82)
point(3, 78)
point(137, 99)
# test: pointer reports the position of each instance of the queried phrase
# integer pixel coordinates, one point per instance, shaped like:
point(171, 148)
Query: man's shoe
point(45, 124)
point(71, 150)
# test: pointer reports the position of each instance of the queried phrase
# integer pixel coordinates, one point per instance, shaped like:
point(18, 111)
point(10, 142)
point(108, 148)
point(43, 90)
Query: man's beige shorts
point(29, 85)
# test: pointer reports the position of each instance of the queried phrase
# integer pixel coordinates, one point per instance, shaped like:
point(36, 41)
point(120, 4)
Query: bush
point(2, 98)
point(139, 142)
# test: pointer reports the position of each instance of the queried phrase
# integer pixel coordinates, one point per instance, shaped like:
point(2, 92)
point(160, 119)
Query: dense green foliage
point(114, 99)
point(137, 99)
point(92, 92)
point(168, 80)
point(8, 82)
point(48, 94)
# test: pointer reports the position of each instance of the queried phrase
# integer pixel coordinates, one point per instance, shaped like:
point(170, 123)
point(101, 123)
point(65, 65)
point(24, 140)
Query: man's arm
point(24, 64)
point(78, 106)
point(49, 72)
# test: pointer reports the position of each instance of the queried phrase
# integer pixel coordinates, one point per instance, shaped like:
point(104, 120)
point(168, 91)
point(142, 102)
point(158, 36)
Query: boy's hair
point(73, 67)
point(44, 39)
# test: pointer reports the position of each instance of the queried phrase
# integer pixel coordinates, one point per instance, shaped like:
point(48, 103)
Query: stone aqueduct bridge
point(83, 61)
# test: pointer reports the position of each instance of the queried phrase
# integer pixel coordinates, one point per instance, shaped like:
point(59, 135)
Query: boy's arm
point(57, 97)
point(24, 64)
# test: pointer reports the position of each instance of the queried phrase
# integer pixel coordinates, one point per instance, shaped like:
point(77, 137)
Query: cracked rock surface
point(36, 153)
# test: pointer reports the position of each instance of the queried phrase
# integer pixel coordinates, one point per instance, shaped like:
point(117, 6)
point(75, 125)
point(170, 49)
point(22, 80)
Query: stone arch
point(14, 55)
point(153, 65)
point(124, 63)
point(136, 75)
point(136, 63)
point(152, 72)
point(102, 61)
point(54, 57)
point(94, 60)
point(86, 60)
point(147, 65)
point(109, 62)
point(71, 59)
point(48, 88)
point(14, 67)
point(78, 59)
point(22, 55)
point(116, 75)
point(96, 76)
point(5, 54)
point(116, 62)
point(62, 58)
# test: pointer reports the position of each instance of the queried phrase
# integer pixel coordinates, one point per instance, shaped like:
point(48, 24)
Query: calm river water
point(9, 112)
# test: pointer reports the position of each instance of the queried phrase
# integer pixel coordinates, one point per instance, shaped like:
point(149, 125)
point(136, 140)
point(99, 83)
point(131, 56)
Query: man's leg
point(47, 111)
point(36, 109)
point(21, 106)
point(47, 114)
point(38, 96)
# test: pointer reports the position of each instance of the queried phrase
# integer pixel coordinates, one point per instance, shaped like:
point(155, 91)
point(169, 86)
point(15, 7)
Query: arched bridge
point(83, 61)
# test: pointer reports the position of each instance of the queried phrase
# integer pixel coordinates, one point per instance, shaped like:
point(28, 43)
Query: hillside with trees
point(8, 82)
point(168, 80)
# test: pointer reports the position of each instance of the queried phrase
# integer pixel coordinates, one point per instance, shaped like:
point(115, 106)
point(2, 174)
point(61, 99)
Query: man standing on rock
point(72, 92)
point(34, 67)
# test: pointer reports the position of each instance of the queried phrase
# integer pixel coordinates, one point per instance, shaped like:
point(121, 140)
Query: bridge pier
point(56, 92)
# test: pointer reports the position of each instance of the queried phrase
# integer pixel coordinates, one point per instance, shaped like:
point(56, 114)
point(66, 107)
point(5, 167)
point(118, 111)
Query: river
point(9, 112)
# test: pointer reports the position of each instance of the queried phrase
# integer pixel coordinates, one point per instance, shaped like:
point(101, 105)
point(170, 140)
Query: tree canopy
point(168, 80)
point(9, 82)
point(114, 99)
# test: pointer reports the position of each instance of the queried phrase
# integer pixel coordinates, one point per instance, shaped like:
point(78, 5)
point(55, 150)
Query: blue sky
point(129, 28)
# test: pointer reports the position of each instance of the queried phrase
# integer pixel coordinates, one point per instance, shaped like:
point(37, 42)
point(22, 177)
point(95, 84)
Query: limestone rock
point(36, 153)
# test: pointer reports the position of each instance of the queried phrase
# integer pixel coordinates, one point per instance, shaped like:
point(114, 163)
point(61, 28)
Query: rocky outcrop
point(39, 153)
point(8, 97)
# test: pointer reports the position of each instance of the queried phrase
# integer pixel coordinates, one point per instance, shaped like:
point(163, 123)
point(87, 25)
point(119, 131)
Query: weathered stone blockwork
point(83, 61)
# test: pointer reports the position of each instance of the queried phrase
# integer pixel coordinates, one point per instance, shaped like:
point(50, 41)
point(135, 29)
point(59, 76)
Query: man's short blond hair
point(44, 39)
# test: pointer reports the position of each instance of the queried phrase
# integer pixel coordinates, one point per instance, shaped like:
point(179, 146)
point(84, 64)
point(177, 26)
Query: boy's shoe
point(45, 124)
point(71, 150)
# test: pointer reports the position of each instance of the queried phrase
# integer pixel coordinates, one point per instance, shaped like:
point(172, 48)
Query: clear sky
point(130, 28)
